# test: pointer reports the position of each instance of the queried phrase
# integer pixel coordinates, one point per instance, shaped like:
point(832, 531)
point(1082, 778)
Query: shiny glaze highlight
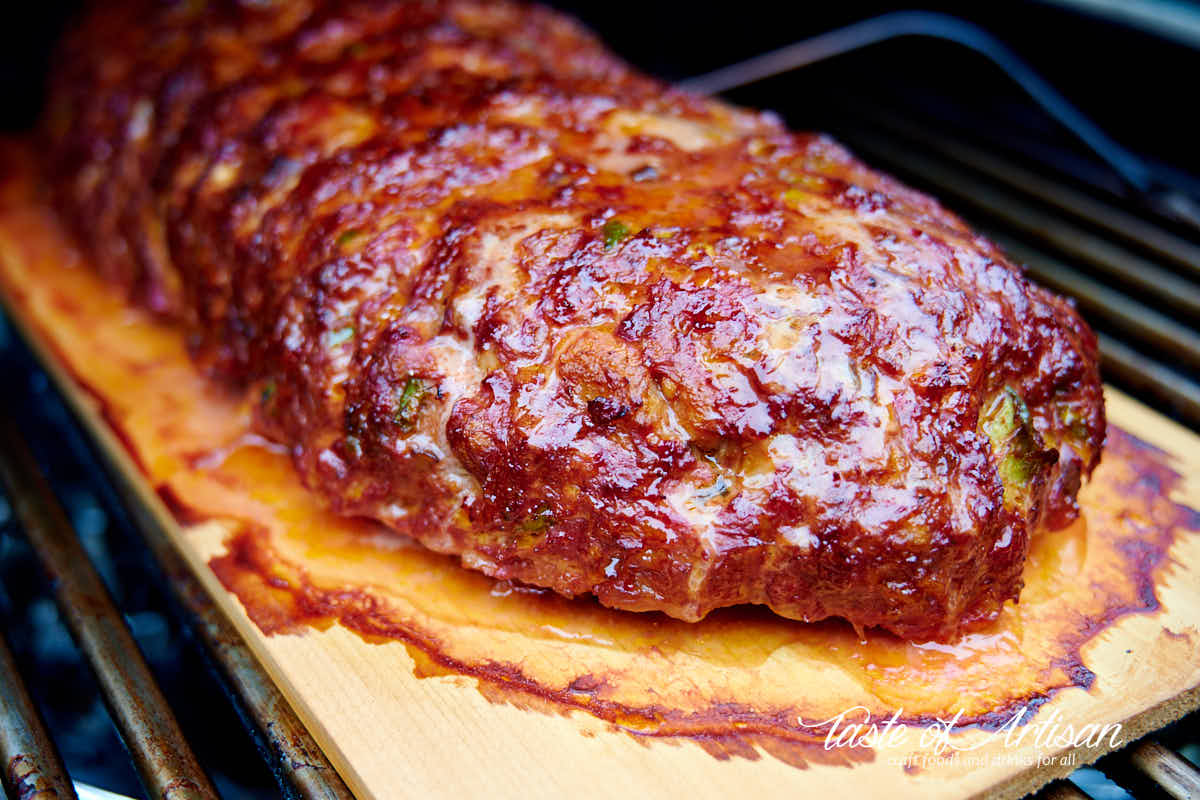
point(737, 683)
point(494, 288)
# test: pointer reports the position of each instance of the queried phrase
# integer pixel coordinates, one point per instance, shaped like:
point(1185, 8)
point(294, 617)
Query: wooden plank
point(465, 687)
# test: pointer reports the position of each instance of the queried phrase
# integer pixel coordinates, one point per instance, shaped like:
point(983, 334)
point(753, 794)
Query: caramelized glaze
point(727, 682)
point(494, 288)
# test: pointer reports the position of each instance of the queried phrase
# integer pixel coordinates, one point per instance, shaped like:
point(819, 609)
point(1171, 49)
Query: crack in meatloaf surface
point(528, 306)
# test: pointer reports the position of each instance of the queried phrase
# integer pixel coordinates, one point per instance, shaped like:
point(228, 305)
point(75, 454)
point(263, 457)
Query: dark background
point(1142, 88)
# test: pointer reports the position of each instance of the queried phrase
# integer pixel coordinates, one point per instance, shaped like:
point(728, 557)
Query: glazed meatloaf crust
point(527, 306)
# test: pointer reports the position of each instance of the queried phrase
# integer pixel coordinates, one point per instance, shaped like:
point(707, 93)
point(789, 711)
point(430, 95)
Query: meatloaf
point(503, 293)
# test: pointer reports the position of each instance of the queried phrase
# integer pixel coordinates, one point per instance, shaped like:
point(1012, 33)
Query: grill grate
point(1143, 309)
point(1135, 276)
point(159, 750)
point(164, 760)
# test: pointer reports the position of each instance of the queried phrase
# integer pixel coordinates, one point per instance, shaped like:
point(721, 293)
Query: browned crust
point(517, 301)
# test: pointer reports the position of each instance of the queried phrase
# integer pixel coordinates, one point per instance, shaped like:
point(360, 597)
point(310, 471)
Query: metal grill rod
point(161, 755)
point(1130, 367)
point(31, 765)
point(1166, 336)
point(1097, 214)
point(939, 26)
point(1062, 790)
point(1139, 320)
point(1125, 164)
point(1166, 288)
point(1176, 776)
